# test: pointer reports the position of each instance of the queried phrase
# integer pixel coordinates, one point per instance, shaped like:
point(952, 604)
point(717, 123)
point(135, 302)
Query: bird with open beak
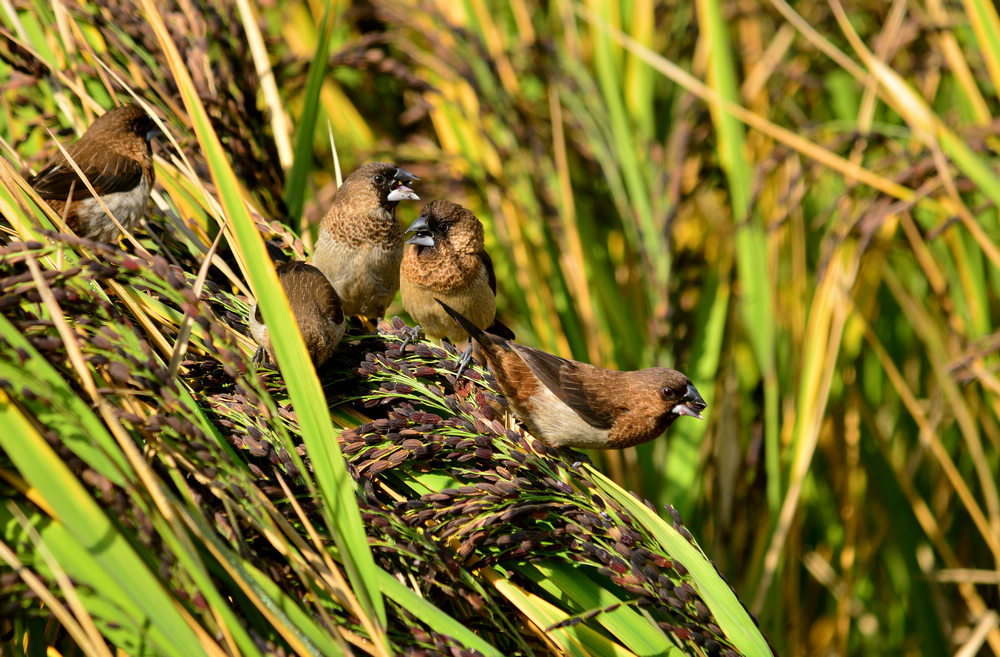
point(446, 259)
point(116, 156)
point(360, 243)
point(566, 403)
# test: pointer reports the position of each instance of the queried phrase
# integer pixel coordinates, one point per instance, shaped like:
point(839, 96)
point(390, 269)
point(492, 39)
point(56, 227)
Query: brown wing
point(307, 288)
point(563, 378)
point(115, 174)
point(488, 263)
point(497, 327)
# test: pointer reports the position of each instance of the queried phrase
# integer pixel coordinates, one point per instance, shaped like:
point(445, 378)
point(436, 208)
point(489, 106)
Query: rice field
point(795, 204)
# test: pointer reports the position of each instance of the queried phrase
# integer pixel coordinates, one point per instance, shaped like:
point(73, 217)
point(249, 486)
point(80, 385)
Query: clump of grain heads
point(222, 442)
point(515, 500)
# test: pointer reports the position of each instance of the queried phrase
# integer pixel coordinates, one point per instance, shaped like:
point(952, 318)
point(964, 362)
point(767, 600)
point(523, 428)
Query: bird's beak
point(421, 239)
point(692, 404)
point(400, 192)
point(423, 235)
point(419, 225)
point(403, 175)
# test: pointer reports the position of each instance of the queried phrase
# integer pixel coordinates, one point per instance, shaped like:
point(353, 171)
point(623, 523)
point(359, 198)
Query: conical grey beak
point(404, 176)
point(419, 225)
point(692, 403)
point(423, 235)
point(421, 239)
point(402, 192)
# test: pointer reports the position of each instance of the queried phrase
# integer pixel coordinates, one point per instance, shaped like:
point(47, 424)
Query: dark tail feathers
point(500, 329)
point(485, 338)
point(464, 322)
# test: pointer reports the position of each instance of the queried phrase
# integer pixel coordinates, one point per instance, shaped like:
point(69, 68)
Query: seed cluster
point(509, 501)
point(520, 501)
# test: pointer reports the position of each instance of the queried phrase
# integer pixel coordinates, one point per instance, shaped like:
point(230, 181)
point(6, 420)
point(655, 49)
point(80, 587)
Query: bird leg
point(258, 356)
point(409, 335)
point(464, 361)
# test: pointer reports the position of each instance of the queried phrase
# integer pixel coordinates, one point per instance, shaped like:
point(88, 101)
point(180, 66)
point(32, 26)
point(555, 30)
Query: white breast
point(127, 207)
point(558, 425)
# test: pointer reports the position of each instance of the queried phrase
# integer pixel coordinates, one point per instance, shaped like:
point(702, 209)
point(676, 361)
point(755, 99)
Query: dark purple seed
point(119, 372)
point(379, 467)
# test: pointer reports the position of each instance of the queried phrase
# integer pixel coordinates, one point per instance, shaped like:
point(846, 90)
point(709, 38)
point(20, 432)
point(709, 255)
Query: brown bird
point(566, 403)
point(316, 308)
point(446, 260)
point(116, 156)
point(360, 243)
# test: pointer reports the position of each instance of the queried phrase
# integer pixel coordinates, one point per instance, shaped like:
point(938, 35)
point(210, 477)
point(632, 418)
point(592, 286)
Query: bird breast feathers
point(558, 425)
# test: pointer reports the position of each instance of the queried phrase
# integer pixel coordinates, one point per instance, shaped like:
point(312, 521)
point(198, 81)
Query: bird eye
point(146, 127)
point(378, 178)
point(667, 393)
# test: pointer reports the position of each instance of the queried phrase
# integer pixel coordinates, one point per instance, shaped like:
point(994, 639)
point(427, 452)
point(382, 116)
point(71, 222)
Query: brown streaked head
point(376, 184)
point(449, 224)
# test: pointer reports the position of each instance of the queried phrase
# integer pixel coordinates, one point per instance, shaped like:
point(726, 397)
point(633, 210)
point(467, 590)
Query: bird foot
point(258, 357)
point(463, 362)
point(411, 334)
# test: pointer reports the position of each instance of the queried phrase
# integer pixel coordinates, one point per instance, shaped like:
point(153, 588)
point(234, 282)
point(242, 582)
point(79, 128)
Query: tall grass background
point(795, 204)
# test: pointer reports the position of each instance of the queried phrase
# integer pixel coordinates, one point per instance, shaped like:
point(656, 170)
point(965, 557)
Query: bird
point(566, 403)
point(446, 259)
point(116, 155)
point(360, 241)
point(316, 308)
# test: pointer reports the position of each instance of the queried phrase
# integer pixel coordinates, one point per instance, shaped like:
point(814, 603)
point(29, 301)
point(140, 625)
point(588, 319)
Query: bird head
point(127, 129)
point(146, 127)
point(680, 396)
point(376, 184)
point(445, 222)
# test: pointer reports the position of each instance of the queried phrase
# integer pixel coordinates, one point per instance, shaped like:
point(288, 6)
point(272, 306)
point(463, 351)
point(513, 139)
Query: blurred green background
point(795, 204)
